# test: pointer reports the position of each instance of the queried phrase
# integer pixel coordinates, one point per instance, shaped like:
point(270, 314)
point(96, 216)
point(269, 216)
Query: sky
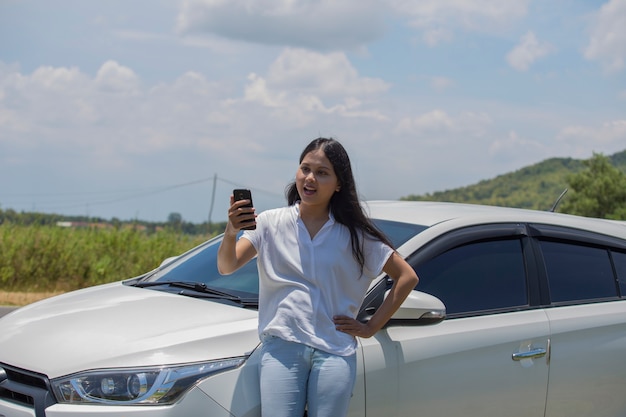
point(136, 109)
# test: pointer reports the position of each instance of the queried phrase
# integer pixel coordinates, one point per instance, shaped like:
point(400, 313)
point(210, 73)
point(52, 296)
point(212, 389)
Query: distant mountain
point(535, 187)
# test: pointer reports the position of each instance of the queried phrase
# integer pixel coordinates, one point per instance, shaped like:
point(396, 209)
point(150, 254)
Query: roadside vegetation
point(49, 259)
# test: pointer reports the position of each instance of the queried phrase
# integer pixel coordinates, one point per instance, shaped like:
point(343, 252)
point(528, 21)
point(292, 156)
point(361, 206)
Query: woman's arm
point(232, 253)
point(405, 279)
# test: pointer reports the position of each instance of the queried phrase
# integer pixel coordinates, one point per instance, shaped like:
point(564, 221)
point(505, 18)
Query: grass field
point(40, 261)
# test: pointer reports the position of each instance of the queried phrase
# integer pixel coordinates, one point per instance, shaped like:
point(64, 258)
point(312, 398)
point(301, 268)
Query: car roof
point(429, 213)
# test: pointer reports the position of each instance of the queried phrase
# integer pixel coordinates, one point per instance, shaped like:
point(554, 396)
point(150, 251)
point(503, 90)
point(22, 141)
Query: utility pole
point(210, 226)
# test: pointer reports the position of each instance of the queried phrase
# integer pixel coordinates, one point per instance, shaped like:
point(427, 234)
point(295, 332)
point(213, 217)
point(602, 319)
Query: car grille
point(25, 388)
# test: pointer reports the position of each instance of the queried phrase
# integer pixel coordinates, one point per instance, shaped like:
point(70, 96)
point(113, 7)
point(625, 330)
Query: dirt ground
point(20, 299)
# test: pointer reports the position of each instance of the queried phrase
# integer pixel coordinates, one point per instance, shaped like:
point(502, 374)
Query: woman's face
point(316, 180)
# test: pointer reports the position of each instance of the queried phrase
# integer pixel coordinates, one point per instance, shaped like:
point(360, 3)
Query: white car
point(517, 313)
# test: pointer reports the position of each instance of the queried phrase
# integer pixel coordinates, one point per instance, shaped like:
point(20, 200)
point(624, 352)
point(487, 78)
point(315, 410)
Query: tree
point(175, 221)
point(174, 218)
point(597, 191)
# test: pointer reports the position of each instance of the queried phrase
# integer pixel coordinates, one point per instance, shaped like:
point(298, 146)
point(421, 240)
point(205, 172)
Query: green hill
point(535, 187)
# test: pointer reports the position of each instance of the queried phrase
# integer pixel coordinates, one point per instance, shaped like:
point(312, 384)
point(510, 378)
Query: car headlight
point(140, 386)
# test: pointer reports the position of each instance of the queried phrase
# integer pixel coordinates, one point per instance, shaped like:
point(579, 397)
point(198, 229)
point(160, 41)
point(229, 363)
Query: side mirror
point(419, 309)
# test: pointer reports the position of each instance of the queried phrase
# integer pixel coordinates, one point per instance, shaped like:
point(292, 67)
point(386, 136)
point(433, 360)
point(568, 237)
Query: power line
point(121, 195)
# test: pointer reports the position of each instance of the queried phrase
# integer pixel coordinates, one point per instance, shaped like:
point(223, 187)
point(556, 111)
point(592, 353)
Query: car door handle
point(531, 354)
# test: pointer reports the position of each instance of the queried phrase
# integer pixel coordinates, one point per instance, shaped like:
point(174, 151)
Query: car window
point(477, 276)
point(619, 258)
point(200, 264)
point(576, 272)
point(398, 233)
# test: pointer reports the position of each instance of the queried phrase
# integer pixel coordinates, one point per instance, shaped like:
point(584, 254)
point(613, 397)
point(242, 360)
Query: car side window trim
point(537, 230)
point(481, 234)
point(466, 235)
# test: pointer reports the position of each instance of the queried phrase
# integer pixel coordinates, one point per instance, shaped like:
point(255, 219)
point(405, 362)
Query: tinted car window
point(577, 272)
point(478, 276)
point(619, 259)
point(398, 233)
point(201, 266)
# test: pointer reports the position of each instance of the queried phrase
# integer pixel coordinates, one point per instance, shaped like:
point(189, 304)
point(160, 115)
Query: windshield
point(200, 264)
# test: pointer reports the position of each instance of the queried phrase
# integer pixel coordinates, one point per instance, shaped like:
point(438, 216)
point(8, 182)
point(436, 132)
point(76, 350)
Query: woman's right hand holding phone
point(240, 215)
point(232, 253)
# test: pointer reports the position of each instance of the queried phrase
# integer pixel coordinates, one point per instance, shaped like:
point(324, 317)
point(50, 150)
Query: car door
point(489, 357)
point(585, 276)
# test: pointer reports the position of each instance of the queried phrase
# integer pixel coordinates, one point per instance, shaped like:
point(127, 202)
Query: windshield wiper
point(200, 289)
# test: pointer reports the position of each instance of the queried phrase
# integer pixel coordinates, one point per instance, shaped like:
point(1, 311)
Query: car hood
point(116, 325)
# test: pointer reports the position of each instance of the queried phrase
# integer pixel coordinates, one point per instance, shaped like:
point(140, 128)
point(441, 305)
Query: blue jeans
point(294, 375)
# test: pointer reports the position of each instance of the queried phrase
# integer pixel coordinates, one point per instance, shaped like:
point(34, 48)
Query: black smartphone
point(244, 194)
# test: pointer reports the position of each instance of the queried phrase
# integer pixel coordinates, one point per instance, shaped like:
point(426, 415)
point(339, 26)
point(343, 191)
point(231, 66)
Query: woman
point(316, 259)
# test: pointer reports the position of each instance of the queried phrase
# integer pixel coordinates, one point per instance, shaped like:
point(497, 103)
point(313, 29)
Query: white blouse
point(304, 282)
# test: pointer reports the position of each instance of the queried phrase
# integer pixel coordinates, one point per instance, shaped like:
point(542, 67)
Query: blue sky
point(141, 108)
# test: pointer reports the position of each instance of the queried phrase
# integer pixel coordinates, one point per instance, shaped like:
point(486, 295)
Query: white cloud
point(434, 120)
point(311, 24)
point(440, 124)
point(258, 91)
point(109, 113)
point(113, 77)
point(301, 82)
point(609, 137)
point(513, 145)
point(607, 42)
point(529, 50)
point(439, 19)
point(57, 79)
point(43, 101)
point(328, 74)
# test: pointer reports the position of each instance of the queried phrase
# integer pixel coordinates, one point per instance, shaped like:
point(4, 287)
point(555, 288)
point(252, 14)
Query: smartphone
point(244, 194)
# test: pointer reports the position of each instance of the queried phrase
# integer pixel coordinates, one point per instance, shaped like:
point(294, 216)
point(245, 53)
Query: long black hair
point(344, 204)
